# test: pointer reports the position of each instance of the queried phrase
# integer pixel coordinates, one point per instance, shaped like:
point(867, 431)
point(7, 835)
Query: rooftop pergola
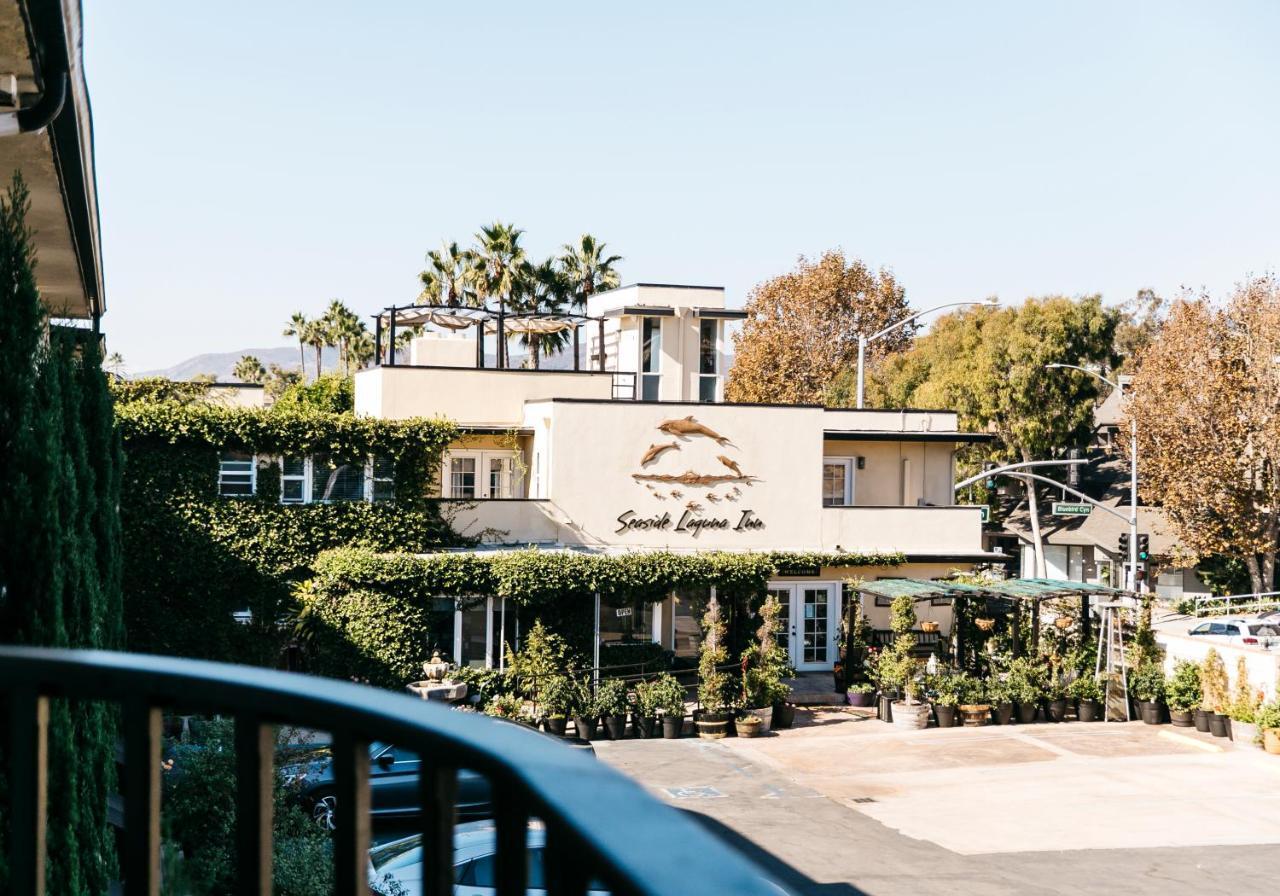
point(486, 322)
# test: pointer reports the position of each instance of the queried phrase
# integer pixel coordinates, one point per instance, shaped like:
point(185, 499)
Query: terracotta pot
point(1271, 740)
point(929, 627)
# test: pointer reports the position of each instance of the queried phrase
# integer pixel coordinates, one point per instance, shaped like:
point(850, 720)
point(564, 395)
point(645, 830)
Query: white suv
point(1240, 632)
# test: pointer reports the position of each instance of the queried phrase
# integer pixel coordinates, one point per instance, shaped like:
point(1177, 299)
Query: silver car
point(1240, 632)
point(395, 868)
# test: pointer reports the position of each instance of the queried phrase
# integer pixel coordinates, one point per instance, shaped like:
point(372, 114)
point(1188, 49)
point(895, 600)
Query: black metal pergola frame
point(479, 318)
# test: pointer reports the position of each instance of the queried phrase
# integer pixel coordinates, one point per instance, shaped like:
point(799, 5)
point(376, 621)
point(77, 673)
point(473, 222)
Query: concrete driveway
point(843, 804)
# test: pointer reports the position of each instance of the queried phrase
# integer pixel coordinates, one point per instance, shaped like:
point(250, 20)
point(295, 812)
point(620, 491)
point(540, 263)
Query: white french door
point(808, 623)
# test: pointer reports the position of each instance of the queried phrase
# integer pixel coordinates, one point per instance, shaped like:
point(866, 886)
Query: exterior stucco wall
point(1263, 665)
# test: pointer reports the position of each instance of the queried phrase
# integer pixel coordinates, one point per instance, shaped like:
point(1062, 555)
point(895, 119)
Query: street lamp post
point(1132, 579)
point(864, 339)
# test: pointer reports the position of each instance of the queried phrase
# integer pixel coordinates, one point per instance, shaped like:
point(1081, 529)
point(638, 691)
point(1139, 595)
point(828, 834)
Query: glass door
point(783, 594)
point(808, 623)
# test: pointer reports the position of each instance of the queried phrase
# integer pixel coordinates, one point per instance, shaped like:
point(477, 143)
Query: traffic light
point(1073, 470)
point(1124, 544)
point(991, 480)
point(1144, 548)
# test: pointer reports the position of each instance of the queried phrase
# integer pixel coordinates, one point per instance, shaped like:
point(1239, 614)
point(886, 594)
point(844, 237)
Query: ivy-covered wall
point(60, 549)
point(370, 615)
point(191, 558)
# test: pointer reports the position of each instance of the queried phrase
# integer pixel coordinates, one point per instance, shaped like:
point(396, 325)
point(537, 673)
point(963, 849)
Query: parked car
point(396, 867)
point(393, 784)
point(1240, 632)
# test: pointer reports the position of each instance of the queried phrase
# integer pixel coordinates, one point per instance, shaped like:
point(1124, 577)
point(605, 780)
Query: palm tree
point(544, 290)
point(249, 370)
point(343, 326)
point(448, 277)
point(297, 327)
point(588, 269)
point(499, 263)
point(316, 335)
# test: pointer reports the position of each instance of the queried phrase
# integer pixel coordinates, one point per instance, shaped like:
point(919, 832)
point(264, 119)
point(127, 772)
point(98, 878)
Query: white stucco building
point(636, 450)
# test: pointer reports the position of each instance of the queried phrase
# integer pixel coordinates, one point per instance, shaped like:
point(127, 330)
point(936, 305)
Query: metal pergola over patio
point(500, 323)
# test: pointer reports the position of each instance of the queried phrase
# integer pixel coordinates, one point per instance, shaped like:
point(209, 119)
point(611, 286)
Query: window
point(334, 481)
point(624, 621)
point(473, 475)
point(498, 470)
point(708, 360)
point(837, 481)
point(687, 607)
point(382, 479)
point(462, 477)
point(237, 475)
point(650, 357)
point(293, 480)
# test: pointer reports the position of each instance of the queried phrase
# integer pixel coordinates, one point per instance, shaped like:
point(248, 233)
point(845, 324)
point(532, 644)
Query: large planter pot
point(586, 727)
point(765, 715)
point(885, 709)
point(644, 726)
point(556, 725)
point(946, 715)
point(750, 726)
point(784, 714)
point(712, 730)
point(1089, 711)
point(860, 698)
point(1151, 712)
point(911, 716)
point(1200, 718)
point(1002, 713)
point(1026, 713)
point(1218, 725)
point(975, 715)
point(1056, 710)
point(672, 727)
point(1271, 741)
point(616, 727)
point(1181, 718)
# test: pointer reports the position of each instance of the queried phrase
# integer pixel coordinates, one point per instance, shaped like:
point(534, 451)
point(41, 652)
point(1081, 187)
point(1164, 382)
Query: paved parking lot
point(842, 804)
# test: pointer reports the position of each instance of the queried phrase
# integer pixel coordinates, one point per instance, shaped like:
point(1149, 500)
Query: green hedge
point(191, 558)
point(354, 610)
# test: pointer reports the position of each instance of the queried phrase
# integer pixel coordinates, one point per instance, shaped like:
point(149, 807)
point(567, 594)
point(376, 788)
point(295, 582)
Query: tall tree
point(544, 290)
point(297, 327)
point(802, 329)
point(989, 365)
point(587, 269)
point(448, 278)
point(1207, 399)
point(499, 263)
point(249, 370)
point(316, 334)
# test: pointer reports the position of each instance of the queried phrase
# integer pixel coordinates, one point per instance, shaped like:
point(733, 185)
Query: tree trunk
point(319, 351)
point(535, 345)
point(1033, 508)
point(302, 359)
point(1255, 573)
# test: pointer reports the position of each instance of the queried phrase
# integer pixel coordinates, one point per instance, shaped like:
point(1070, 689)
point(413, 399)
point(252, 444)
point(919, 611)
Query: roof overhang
point(720, 313)
point(40, 43)
point(889, 435)
point(641, 311)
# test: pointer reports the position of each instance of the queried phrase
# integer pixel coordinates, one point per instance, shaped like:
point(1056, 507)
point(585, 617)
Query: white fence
point(1263, 666)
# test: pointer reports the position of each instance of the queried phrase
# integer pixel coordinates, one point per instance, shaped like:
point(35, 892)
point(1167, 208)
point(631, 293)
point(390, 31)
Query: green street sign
point(1062, 508)
point(986, 513)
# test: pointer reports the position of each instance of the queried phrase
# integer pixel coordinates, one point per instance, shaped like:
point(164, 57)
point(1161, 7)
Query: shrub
point(713, 683)
point(949, 687)
point(560, 696)
point(1268, 716)
point(1183, 689)
point(999, 691)
point(1213, 680)
point(506, 706)
point(1245, 699)
point(1026, 681)
point(1085, 687)
point(1147, 683)
point(611, 698)
point(668, 695)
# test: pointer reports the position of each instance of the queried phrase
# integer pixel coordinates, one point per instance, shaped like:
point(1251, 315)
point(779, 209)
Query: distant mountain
point(220, 364)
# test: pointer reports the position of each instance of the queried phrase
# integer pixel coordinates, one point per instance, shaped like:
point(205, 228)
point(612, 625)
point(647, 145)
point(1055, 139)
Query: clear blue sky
point(260, 158)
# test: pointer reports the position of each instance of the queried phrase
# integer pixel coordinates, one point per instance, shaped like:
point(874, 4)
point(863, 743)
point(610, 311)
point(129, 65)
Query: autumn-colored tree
point(1207, 399)
point(988, 364)
point(802, 329)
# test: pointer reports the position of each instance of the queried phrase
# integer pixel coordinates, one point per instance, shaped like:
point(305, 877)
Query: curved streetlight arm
point(1093, 373)
point(1081, 495)
point(906, 320)
point(1018, 466)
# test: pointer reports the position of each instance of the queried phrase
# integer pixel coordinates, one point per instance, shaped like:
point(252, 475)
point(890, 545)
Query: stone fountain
point(436, 685)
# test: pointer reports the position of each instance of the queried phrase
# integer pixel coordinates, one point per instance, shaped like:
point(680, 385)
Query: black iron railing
point(599, 824)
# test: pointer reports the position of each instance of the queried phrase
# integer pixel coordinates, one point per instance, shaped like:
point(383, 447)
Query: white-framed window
point(293, 480)
point(381, 479)
point(837, 481)
point(708, 359)
point(472, 475)
point(334, 481)
point(650, 357)
point(237, 474)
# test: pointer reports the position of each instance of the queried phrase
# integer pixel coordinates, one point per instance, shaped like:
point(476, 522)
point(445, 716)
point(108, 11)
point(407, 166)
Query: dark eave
point(720, 313)
point(898, 436)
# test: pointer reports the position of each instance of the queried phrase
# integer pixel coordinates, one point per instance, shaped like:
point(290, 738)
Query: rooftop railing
point(599, 824)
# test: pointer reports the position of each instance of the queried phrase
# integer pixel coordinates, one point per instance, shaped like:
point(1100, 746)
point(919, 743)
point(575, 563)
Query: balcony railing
point(599, 824)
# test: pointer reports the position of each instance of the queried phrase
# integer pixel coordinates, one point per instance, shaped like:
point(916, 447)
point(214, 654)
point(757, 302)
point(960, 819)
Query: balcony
point(953, 531)
point(599, 825)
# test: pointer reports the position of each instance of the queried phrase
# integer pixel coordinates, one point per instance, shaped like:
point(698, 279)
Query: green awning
point(1021, 589)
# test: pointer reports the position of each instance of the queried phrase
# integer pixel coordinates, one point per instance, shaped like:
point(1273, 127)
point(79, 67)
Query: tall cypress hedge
point(60, 546)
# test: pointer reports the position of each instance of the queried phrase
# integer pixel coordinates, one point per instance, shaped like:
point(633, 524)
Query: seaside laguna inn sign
point(705, 498)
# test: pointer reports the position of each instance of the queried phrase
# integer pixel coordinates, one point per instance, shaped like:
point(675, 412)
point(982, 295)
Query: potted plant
point(974, 710)
point(946, 689)
point(899, 668)
point(509, 707)
point(1184, 692)
point(557, 695)
point(1026, 687)
point(862, 694)
point(713, 683)
point(749, 725)
point(1000, 696)
point(584, 717)
point(1087, 693)
point(1268, 722)
point(611, 705)
point(764, 665)
point(668, 696)
point(1245, 702)
point(1213, 679)
point(1147, 686)
point(1055, 698)
point(644, 718)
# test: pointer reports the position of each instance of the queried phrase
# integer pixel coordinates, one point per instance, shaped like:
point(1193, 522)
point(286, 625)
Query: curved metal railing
point(599, 824)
